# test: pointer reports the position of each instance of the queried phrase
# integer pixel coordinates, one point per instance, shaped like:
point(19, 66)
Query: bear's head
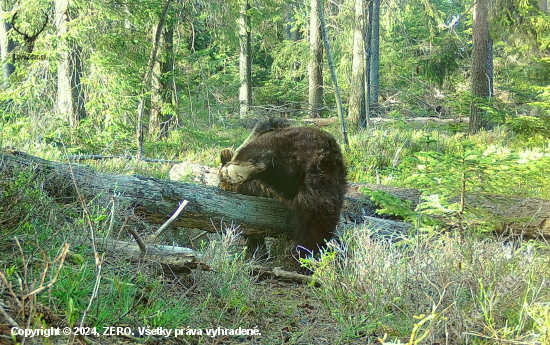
point(245, 186)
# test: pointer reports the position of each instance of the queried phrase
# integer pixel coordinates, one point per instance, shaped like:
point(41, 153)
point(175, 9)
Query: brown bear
point(302, 167)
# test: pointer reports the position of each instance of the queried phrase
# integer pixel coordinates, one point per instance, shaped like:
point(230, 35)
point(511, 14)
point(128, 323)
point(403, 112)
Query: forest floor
point(428, 288)
point(298, 317)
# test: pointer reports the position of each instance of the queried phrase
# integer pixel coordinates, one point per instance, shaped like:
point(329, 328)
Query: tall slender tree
point(245, 60)
point(290, 32)
point(337, 94)
point(169, 92)
point(315, 66)
point(368, 54)
point(375, 57)
point(357, 90)
point(64, 97)
point(77, 92)
point(163, 94)
point(6, 44)
point(146, 81)
point(70, 96)
point(482, 66)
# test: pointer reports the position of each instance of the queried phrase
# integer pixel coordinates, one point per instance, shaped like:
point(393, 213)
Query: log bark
point(156, 199)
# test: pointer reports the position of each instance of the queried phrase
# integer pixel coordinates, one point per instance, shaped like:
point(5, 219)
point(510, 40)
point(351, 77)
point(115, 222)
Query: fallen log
point(127, 157)
point(420, 120)
point(155, 199)
point(527, 217)
point(181, 259)
point(321, 122)
point(512, 216)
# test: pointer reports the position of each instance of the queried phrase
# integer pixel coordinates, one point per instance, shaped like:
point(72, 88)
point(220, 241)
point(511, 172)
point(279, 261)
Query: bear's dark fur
point(302, 167)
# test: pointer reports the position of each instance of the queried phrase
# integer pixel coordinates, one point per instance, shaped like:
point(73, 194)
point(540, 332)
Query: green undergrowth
point(497, 162)
point(431, 288)
point(35, 230)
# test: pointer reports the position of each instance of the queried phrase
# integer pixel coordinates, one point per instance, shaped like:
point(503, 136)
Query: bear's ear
point(226, 155)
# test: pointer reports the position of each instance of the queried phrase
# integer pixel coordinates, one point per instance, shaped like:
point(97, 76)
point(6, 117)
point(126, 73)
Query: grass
point(423, 289)
point(474, 291)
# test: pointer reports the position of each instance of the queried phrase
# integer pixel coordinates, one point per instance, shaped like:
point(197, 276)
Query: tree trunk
point(163, 93)
point(375, 58)
point(357, 89)
point(333, 74)
point(6, 44)
point(77, 93)
point(292, 33)
point(245, 61)
point(147, 80)
point(543, 4)
point(70, 97)
point(168, 93)
point(482, 66)
point(64, 94)
point(288, 33)
point(315, 66)
point(365, 122)
point(155, 101)
point(155, 199)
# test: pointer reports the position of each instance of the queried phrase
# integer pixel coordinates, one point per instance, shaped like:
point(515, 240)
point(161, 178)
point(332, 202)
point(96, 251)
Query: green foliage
point(540, 313)
point(442, 62)
point(530, 126)
point(493, 170)
point(391, 205)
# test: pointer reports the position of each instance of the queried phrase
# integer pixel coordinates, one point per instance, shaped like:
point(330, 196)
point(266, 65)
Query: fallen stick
point(280, 274)
point(176, 259)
